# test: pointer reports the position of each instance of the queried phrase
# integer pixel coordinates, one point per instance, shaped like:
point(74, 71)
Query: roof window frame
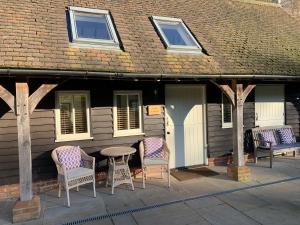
point(90, 42)
point(176, 48)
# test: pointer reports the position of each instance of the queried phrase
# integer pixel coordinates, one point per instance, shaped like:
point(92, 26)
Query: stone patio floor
point(218, 200)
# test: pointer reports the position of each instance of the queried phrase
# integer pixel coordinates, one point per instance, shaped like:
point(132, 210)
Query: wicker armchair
point(73, 171)
point(153, 152)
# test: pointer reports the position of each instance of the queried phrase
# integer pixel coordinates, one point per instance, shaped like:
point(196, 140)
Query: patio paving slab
point(172, 214)
point(273, 215)
point(225, 215)
point(243, 200)
point(258, 205)
point(124, 220)
point(204, 203)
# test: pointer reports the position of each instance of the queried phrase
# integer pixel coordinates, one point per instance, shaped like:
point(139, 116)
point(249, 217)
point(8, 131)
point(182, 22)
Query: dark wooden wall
point(43, 126)
point(292, 107)
point(220, 139)
point(101, 92)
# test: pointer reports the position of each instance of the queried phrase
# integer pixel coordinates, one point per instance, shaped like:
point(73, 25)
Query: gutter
point(116, 75)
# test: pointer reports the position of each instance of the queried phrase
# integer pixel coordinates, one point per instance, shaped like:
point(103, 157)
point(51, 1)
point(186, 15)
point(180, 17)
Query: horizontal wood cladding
point(292, 107)
point(43, 127)
point(220, 139)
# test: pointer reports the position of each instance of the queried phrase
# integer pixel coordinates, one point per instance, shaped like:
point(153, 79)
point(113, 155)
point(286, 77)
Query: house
point(104, 73)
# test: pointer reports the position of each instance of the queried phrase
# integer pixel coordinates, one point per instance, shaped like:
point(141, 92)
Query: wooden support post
point(238, 126)
point(237, 96)
point(28, 207)
point(24, 141)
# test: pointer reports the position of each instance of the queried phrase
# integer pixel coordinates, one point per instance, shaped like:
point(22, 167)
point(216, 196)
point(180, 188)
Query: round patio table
point(118, 171)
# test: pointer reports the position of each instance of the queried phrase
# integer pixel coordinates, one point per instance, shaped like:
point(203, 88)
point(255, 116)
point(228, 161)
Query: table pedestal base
point(118, 173)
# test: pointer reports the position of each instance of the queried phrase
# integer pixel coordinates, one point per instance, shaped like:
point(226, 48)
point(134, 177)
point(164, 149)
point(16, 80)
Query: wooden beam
point(24, 140)
point(226, 89)
point(39, 94)
point(7, 97)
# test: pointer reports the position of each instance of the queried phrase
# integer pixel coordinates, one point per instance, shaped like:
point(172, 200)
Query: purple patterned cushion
point(69, 156)
point(286, 136)
point(153, 147)
point(267, 135)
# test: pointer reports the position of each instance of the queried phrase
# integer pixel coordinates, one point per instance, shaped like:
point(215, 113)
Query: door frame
point(204, 105)
point(284, 102)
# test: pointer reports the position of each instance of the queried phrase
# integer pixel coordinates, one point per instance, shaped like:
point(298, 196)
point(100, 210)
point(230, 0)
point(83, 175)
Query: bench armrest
point(261, 142)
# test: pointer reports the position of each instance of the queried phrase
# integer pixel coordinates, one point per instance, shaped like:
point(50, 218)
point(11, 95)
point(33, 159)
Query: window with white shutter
point(127, 113)
point(226, 112)
point(72, 115)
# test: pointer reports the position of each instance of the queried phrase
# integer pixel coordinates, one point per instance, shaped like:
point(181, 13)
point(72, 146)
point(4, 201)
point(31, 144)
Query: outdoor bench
point(274, 140)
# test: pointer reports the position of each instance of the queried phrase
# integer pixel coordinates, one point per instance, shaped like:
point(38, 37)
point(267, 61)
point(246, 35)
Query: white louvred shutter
point(227, 110)
point(122, 116)
point(80, 112)
point(133, 104)
point(66, 122)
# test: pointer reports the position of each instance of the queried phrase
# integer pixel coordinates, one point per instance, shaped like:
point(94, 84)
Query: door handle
point(256, 116)
point(168, 132)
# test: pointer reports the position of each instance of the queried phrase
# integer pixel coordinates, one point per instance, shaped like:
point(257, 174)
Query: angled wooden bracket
point(247, 91)
point(236, 90)
point(7, 97)
point(38, 95)
point(226, 89)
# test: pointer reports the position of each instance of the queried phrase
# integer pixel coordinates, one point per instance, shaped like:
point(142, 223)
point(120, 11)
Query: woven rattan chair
point(72, 173)
point(154, 152)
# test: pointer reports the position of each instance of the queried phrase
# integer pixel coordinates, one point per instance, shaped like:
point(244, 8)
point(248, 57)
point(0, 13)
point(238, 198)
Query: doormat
point(183, 174)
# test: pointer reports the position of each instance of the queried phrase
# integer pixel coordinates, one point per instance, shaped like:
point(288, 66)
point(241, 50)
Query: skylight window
point(176, 35)
point(92, 26)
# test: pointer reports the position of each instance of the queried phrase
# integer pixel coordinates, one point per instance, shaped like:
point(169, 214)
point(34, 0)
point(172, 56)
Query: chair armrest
point(141, 151)
point(87, 157)
point(166, 151)
point(61, 169)
point(88, 163)
point(58, 163)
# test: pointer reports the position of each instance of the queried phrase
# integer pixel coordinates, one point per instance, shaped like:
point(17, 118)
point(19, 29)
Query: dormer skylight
point(175, 35)
point(92, 27)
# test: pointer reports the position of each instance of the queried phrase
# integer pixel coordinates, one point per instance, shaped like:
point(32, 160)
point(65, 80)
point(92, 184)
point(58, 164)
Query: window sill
point(226, 126)
point(184, 51)
point(73, 139)
point(94, 45)
point(126, 135)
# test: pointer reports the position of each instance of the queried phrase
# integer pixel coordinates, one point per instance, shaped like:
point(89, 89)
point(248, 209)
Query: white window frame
point(72, 137)
point(176, 48)
point(128, 132)
point(227, 124)
point(89, 42)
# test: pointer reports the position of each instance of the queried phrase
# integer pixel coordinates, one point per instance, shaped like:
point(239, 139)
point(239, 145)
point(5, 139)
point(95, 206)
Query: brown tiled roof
point(240, 38)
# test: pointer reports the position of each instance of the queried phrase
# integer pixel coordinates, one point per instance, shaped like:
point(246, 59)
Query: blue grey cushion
point(267, 135)
point(286, 136)
point(282, 146)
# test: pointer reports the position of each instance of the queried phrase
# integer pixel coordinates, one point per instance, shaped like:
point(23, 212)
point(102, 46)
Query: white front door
point(269, 105)
point(185, 128)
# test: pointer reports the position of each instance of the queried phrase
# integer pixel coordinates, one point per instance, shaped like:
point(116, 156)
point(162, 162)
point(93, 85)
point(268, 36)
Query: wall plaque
point(154, 110)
